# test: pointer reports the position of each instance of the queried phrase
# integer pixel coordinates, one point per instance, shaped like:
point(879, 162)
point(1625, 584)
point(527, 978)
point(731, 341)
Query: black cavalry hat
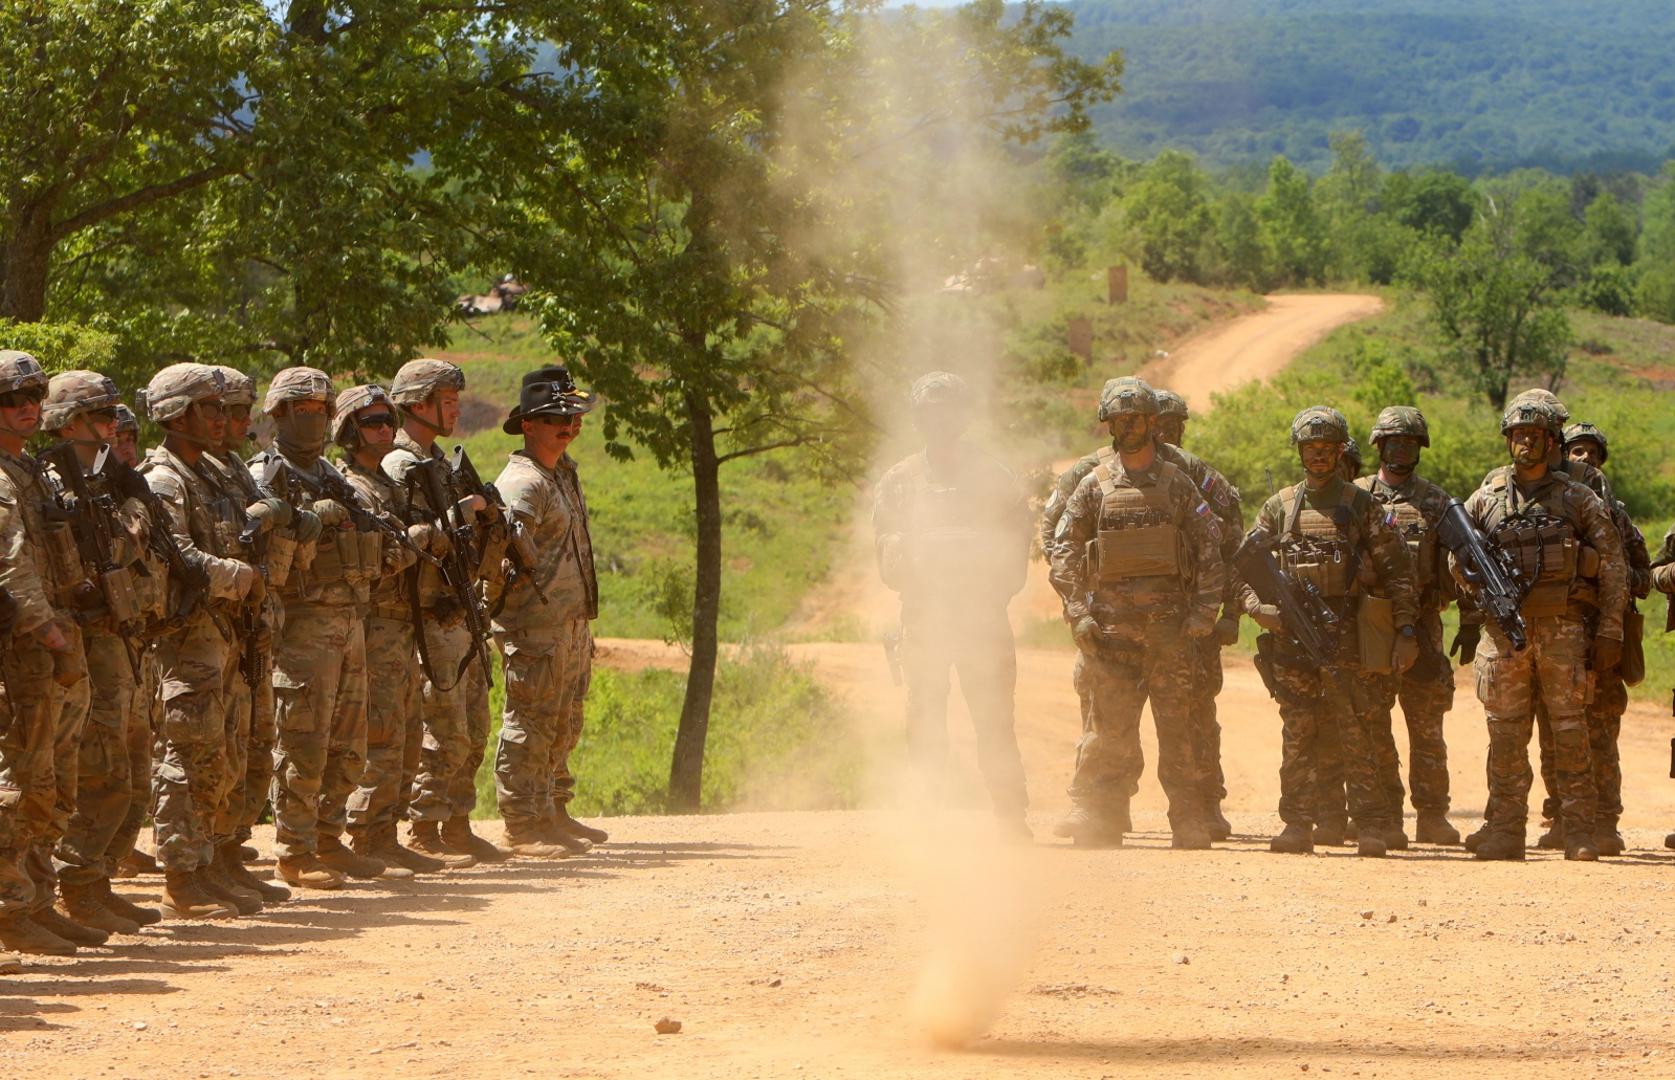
point(548, 391)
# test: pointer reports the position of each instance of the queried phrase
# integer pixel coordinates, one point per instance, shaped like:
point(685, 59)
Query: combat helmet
point(1170, 404)
point(299, 384)
point(343, 430)
point(126, 420)
point(20, 371)
point(1584, 430)
point(938, 388)
point(1352, 454)
point(418, 379)
point(241, 388)
point(71, 393)
point(1529, 411)
point(1548, 400)
point(1319, 423)
point(1127, 394)
point(178, 387)
point(1400, 420)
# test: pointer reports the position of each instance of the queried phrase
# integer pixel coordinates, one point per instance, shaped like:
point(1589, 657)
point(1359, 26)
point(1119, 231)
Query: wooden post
point(1116, 284)
point(1079, 337)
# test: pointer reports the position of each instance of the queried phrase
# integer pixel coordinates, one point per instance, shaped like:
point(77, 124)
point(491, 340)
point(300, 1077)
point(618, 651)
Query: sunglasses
point(559, 421)
point(210, 410)
point(17, 399)
point(376, 420)
point(104, 416)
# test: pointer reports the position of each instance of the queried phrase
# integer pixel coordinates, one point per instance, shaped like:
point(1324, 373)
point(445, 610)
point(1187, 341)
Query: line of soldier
point(1148, 551)
point(190, 636)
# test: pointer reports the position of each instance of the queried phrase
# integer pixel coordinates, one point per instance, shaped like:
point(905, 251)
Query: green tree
point(1169, 214)
point(1293, 234)
point(1608, 232)
point(1431, 201)
point(1346, 198)
point(1655, 292)
point(1240, 257)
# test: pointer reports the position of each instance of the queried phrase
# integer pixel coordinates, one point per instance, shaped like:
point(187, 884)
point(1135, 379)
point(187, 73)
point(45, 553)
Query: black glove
point(1465, 642)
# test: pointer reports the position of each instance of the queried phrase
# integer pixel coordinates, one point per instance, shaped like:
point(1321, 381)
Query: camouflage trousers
point(1206, 730)
point(977, 643)
point(25, 720)
point(319, 687)
point(1326, 712)
point(189, 770)
point(56, 775)
point(540, 725)
point(1135, 661)
point(237, 756)
point(1605, 723)
point(257, 730)
point(564, 781)
point(478, 722)
point(1552, 671)
point(446, 748)
point(144, 719)
point(393, 727)
point(106, 786)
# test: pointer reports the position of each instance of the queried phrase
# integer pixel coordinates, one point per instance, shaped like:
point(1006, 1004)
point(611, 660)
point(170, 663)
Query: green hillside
point(1480, 85)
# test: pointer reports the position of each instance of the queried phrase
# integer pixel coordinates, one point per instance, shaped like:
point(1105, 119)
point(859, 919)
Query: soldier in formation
point(188, 637)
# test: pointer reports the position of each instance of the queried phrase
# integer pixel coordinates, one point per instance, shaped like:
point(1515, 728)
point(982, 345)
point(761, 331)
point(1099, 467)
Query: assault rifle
point(188, 581)
point(1308, 619)
point(330, 485)
point(1489, 569)
point(520, 550)
point(458, 566)
point(90, 517)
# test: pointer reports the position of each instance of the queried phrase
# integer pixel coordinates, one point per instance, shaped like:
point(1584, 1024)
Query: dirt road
point(845, 944)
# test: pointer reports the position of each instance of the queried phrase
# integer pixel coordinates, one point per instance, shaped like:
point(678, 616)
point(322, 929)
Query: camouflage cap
point(1319, 423)
point(352, 401)
point(939, 388)
point(20, 371)
point(1547, 400)
point(1584, 430)
point(299, 384)
point(241, 388)
point(1531, 412)
point(1401, 420)
point(418, 379)
point(1126, 394)
point(126, 420)
point(1170, 403)
point(177, 387)
point(71, 393)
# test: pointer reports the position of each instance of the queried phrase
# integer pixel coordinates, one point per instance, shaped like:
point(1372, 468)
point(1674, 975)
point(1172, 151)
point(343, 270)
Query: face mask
point(302, 436)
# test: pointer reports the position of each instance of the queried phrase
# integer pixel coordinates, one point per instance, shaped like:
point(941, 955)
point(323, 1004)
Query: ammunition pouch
point(1422, 553)
point(1142, 552)
point(122, 599)
point(1326, 565)
point(71, 588)
point(1547, 556)
point(1375, 630)
point(282, 554)
point(1291, 679)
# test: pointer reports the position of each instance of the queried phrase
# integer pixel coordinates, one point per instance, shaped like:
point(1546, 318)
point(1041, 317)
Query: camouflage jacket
point(550, 506)
point(387, 499)
point(1419, 497)
point(19, 573)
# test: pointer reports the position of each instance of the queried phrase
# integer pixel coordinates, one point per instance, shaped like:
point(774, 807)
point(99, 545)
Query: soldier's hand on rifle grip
point(1406, 652)
point(1465, 642)
point(69, 666)
point(1199, 625)
point(1086, 633)
point(429, 538)
point(1267, 616)
point(306, 526)
point(332, 514)
point(1607, 653)
point(271, 513)
point(472, 504)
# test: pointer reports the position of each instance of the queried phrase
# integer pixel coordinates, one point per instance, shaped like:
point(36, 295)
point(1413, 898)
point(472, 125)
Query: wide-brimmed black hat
point(548, 391)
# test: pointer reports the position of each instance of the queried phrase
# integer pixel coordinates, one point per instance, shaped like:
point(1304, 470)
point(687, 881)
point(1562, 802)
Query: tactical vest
point(200, 522)
point(958, 555)
point(1544, 550)
point(1317, 548)
point(281, 553)
point(1421, 540)
point(51, 544)
point(1138, 540)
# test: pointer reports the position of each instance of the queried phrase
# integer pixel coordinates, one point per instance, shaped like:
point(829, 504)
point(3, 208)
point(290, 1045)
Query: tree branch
point(145, 196)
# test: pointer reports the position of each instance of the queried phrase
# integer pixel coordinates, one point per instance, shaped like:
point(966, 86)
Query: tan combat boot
point(135, 863)
point(212, 881)
point(570, 825)
point(382, 844)
point(229, 860)
point(426, 842)
point(24, 935)
point(457, 836)
point(308, 872)
point(1432, 827)
point(144, 916)
point(50, 920)
point(533, 844)
point(553, 833)
point(84, 904)
point(334, 855)
point(183, 895)
point(361, 846)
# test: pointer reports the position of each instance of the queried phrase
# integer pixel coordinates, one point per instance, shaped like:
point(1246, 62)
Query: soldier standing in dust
point(952, 531)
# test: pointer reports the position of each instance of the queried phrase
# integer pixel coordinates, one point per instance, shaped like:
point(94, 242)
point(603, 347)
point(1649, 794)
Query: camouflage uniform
point(1544, 528)
point(1322, 535)
point(1137, 554)
point(1223, 500)
point(951, 531)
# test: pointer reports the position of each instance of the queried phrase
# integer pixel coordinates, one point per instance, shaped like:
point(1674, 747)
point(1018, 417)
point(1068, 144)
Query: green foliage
point(1293, 235)
point(780, 741)
point(1171, 218)
point(62, 346)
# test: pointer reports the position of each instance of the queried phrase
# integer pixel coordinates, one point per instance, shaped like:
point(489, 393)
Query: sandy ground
point(907, 940)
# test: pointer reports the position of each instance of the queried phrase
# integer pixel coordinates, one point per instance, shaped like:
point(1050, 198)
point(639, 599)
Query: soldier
point(363, 424)
point(1426, 691)
point(1586, 443)
point(1324, 528)
point(1137, 560)
point(427, 393)
point(190, 776)
point(319, 659)
point(542, 622)
point(951, 529)
point(1351, 461)
point(80, 412)
point(1546, 522)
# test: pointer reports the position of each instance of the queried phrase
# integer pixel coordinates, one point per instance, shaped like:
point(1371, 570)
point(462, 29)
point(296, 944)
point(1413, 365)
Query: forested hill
point(1480, 85)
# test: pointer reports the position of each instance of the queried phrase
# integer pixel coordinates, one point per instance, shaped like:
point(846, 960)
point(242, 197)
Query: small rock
point(1367, 914)
point(776, 983)
point(139, 1025)
point(1391, 919)
point(1181, 958)
point(667, 1026)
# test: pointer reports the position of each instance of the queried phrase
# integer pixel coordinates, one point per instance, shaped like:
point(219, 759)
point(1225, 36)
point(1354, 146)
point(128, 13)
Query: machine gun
point(91, 516)
point(1308, 619)
point(190, 583)
point(457, 567)
point(1488, 569)
point(520, 550)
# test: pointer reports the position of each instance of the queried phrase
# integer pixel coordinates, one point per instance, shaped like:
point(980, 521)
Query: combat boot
point(361, 846)
point(246, 853)
point(1371, 845)
point(1433, 828)
point(229, 859)
point(533, 844)
point(425, 841)
point(1329, 833)
point(1580, 849)
point(144, 916)
point(82, 903)
point(1088, 829)
point(1669, 841)
point(216, 883)
point(1607, 840)
point(184, 895)
point(22, 934)
point(1190, 836)
point(1351, 831)
point(1471, 842)
point(1293, 840)
point(135, 863)
point(50, 920)
point(1500, 846)
point(383, 846)
point(570, 825)
point(1553, 838)
point(307, 872)
point(1220, 828)
point(1394, 838)
point(553, 833)
point(457, 836)
point(335, 856)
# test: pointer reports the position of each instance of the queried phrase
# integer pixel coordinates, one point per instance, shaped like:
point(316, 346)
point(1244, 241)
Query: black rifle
point(190, 582)
point(458, 567)
point(91, 518)
point(330, 485)
point(1308, 619)
point(1489, 569)
point(520, 551)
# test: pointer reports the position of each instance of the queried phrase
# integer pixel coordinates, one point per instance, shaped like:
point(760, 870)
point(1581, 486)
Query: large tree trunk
point(686, 774)
point(25, 255)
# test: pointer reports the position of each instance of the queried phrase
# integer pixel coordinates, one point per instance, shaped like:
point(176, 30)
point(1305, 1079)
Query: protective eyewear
point(376, 420)
point(17, 399)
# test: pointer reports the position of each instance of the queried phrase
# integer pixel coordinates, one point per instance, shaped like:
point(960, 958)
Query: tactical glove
point(1406, 652)
point(1086, 633)
point(1267, 616)
point(332, 514)
point(1227, 629)
point(1465, 642)
point(269, 514)
point(306, 526)
point(1607, 653)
